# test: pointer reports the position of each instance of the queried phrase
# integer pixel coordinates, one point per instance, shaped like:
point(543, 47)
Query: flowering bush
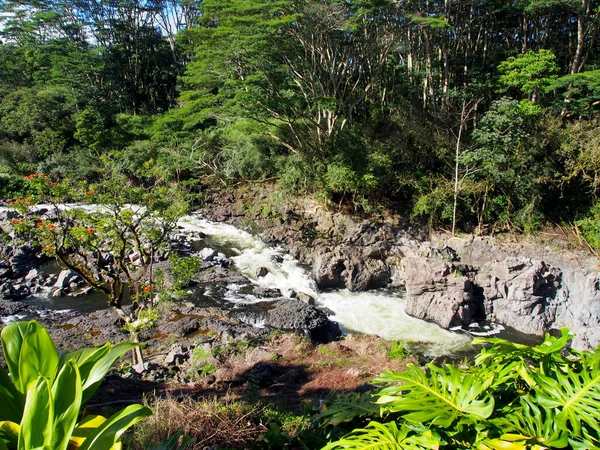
point(111, 236)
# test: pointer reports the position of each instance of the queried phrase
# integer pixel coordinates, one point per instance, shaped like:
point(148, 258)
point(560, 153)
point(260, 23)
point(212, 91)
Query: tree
point(112, 244)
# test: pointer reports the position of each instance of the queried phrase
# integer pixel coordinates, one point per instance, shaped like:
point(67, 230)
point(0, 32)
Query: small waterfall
point(375, 312)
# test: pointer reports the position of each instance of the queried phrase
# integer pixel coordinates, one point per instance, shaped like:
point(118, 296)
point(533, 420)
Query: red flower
point(51, 226)
point(54, 183)
point(15, 220)
point(39, 224)
point(90, 230)
point(29, 177)
point(90, 192)
point(41, 175)
point(149, 200)
point(147, 288)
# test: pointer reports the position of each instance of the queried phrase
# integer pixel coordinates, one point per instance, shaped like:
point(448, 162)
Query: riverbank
point(451, 281)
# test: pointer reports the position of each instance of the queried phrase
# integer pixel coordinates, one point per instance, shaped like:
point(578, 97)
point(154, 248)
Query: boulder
point(294, 315)
point(438, 294)
point(521, 293)
point(262, 272)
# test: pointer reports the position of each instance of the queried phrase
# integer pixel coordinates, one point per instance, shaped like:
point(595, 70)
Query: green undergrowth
point(511, 396)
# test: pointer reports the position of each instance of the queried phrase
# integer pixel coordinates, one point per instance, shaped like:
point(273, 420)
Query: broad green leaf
point(441, 396)
point(111, 430)
point(94, 364)
point(66, 393)
point(12, 401)
point(84, 429)
point(575, 395)
point(12, 341)
point(528, 423)
point(29, 353)
point(37, 424)
point(9, 433)
point(384, 436)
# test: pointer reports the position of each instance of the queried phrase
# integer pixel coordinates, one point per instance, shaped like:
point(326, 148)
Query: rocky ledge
point(450, 281)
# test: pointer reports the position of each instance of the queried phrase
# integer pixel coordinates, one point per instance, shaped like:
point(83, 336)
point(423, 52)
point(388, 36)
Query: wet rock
point(521, 292)
point(262, 272)
point(233, 330)
point(5, 270)
point(220, 276)
point(208, 254)
point(304, 298)
point(23, 259)
point(65, 278)
point(18, 291)
point(295, 315)
point(32, 274)
point(179, 325)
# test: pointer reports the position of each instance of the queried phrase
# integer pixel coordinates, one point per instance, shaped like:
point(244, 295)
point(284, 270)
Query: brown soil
point(286, 370)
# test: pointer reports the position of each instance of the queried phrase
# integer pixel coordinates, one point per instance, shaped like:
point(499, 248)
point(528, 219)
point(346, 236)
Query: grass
point(216, 424)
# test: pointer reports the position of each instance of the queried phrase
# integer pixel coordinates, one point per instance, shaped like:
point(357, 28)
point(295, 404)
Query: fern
point(385, 436)
point(347, 407)
point(440, 395)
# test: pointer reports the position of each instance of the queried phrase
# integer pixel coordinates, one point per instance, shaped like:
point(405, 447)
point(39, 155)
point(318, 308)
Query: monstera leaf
point(440, 395)
point(385, 436)
point(527, 426)
point(575, 397)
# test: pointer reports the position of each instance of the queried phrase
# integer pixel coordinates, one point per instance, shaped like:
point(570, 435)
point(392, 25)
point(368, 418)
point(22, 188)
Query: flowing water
point(379, 312)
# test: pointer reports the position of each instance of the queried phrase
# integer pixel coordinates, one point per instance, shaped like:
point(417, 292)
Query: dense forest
point(480, 114)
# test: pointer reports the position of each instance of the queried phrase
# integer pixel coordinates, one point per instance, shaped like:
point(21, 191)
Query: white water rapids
point(375, 312)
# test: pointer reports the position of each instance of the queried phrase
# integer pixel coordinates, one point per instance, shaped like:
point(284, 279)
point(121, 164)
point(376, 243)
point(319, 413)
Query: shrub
point(514, 396)
point(41, 402)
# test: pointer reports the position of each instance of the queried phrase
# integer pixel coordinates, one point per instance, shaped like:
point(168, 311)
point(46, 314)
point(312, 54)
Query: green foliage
point(41, 402)
point(531, 73)
point(590, 226)
point(398, 350)
point(514, 397)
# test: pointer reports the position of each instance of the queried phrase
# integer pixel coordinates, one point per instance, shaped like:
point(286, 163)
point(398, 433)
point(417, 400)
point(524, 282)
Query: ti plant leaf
point(94, 364)
point(105, 436)
point(12, 401)
point(441, 396)
point(38, 417)
point(29, 353)
point(385, 436)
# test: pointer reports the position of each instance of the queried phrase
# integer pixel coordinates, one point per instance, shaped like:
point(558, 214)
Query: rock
point(208, 254)
point(327, 271)
point(18, 292)
point(262, 272)
point(304, 298)
point(23, 259)
point(65, 277)
point(521, 293)
point(297, 316)
point(177, 355)
point(33, 273)
point(437, 294)
point(5, 270)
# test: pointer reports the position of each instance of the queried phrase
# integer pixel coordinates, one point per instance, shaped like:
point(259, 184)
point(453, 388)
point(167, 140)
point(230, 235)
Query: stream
point(380, 312)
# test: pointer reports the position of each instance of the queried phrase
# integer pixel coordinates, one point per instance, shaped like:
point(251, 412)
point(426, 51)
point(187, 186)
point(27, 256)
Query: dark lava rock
point(295, 315)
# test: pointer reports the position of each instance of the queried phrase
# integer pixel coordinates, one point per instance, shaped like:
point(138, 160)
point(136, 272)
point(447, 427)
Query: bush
point(41, 403)
point(515, 396)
